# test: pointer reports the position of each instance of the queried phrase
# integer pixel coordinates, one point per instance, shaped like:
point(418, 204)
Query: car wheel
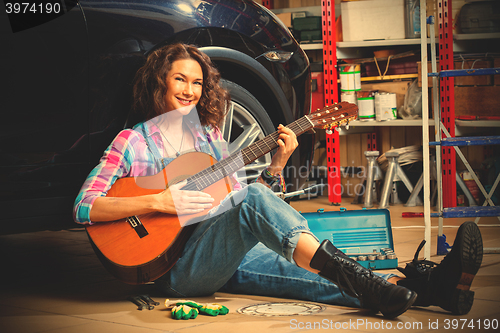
point(246, 122)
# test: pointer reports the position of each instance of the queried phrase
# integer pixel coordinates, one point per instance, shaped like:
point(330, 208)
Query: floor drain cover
point(281, 309)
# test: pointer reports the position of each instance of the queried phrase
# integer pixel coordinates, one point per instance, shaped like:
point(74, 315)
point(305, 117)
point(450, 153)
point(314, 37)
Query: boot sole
point(470, 246)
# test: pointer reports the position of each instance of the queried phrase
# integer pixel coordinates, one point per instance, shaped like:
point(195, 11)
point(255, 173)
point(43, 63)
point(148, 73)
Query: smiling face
point(184, 85)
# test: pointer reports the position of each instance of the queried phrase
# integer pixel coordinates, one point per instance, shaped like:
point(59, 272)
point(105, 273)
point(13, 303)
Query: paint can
point(348, 96)
point(366, 105)
point(350, 77)
point(385, 106)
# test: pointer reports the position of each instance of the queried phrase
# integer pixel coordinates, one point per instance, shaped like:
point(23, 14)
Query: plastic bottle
point(412, 18)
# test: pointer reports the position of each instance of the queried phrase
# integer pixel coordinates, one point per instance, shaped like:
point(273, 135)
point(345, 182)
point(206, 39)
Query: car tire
point(246, 122)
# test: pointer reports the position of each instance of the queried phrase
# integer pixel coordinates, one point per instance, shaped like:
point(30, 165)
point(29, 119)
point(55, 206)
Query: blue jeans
point(248, 249)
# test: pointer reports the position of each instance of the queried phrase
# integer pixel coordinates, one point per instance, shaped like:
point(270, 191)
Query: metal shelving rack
point(444, 117)
point(425, 126)
point(330, 93)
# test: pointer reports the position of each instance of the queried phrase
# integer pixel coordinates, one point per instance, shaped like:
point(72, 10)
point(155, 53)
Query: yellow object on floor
point(186, 309)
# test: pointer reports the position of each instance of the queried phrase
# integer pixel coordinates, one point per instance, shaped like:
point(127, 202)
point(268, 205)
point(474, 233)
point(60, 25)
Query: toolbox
point(364, 235)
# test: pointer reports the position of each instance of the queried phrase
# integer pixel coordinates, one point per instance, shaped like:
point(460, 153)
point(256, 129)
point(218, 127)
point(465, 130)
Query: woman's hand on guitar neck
point(287, 143)
point(174, 200)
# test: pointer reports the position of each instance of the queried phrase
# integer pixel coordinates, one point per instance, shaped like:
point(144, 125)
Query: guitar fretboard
point(245, 156)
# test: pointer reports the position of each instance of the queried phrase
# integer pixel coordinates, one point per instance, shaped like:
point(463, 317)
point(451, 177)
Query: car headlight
point(278, 56)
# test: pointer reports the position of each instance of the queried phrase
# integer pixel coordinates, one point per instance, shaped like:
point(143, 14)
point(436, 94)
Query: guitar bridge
point(139, 228)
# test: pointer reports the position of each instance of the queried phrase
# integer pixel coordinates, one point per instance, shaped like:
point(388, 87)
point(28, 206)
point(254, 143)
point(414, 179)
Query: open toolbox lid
point(353, 231)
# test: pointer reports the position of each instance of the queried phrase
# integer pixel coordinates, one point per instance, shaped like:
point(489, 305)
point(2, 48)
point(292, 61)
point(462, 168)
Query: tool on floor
point(149, 300)
point(141, 304)
point(412, 214)
point(417, 267)
point(299, 192)
point(384, 254)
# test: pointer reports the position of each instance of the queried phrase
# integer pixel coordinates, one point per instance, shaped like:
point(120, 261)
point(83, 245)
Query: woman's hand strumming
point(174, 200)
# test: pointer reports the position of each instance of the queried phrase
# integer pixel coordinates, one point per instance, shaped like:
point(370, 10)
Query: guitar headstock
point(333, 116)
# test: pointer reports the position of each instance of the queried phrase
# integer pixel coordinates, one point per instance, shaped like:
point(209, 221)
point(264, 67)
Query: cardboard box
point(480, 80)
point(307, 3)
point(372, 20)
point(477, 101)
point(293, 3)
point(286, 18)
point(281, 4)
point(399, 66)
point(429, 70)
point(278, 3)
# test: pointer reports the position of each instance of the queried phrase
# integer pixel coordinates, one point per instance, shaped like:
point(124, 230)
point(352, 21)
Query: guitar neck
point(270, 142)
point(243, 157)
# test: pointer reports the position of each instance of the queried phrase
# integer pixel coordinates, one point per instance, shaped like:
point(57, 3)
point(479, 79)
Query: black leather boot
point(448, 284)
point(374, 292)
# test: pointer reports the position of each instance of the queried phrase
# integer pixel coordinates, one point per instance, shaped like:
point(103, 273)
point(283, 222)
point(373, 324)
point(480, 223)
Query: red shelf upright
point(371, 142)
point(269, 4)
point(331, 97)
point(447, 95)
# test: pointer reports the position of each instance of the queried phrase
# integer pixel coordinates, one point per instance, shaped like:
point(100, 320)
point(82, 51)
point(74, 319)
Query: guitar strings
point(220, 170)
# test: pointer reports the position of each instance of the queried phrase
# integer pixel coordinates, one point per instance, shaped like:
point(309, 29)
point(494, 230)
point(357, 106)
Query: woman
point(254, 243)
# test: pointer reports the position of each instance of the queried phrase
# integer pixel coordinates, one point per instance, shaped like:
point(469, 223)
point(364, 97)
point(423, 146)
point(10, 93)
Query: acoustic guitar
point(140, 249)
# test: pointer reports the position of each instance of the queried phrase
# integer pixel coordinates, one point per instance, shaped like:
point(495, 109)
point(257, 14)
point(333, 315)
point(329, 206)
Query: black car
point(66, 79)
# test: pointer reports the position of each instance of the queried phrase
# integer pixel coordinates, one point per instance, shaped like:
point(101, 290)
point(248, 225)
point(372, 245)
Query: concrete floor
point(53, 282)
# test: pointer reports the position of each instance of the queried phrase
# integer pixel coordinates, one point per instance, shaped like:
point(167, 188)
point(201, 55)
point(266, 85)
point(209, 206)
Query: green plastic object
point(310, 35)
point(307, 23)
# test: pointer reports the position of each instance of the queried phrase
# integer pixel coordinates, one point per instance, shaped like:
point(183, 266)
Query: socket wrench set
point(364, 235)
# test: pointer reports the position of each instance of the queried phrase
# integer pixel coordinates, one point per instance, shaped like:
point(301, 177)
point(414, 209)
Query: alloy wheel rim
point(240, 129)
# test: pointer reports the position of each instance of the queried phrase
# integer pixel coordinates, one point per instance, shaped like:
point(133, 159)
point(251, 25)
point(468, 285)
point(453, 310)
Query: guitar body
point(140, 249)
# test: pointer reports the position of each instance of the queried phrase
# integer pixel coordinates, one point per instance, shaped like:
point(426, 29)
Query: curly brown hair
point(150, 84)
